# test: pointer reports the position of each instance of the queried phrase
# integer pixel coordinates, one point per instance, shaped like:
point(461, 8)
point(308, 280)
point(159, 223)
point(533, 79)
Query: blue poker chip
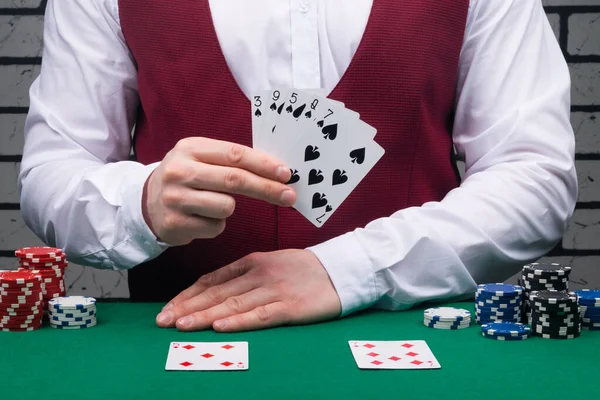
point(589, 295)
point(72, 319)
point(505, 329)
point(505, 338)
point(500, 289)
point(73, 323)
point(73, 327)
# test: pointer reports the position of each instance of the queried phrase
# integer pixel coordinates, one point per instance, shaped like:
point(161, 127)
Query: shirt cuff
point(141, 239)
point(350, 270)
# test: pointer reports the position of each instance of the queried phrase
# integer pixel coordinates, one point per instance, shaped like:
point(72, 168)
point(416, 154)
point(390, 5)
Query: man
point(201, 209)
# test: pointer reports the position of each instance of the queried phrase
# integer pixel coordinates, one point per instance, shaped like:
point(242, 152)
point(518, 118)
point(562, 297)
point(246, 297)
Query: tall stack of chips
point(555, 314)
point(50, 264)
point(498, 302)
point(21, 306)
point(542, 276)
point(589, 307)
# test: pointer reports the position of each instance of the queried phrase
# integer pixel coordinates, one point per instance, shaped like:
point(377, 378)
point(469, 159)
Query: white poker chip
point(72, 302)
point(447, 314)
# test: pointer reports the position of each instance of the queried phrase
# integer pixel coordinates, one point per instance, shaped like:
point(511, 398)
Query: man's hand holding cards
point(328, 148)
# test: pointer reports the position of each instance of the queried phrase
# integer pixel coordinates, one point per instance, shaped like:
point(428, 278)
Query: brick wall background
point(576, 24)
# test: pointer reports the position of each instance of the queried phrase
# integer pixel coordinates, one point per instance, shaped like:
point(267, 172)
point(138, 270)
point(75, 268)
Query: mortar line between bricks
point(20, 60)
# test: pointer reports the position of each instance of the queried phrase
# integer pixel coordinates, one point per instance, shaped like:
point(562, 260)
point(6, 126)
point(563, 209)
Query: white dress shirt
point(80, 192)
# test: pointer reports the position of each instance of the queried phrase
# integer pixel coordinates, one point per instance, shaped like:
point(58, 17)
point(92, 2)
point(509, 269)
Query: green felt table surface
point(124, 356)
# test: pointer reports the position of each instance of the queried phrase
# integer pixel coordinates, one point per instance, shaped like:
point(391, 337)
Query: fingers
point(266, 316)
point(240, 181)
point(222, 153)
point(207, 204)
point(218, 277)
point(230, 306)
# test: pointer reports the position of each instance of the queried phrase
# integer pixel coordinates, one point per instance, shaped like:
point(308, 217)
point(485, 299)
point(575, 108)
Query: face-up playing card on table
point(207, 356)
point(401, 354)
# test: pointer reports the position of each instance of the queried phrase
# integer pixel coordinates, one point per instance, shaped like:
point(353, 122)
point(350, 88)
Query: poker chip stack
point(72, 312)
point(21, 306)
point(505, 331)
point(589, 308)
point(48, 262)
point(555, 314)
point(542, 276)
point(447, 318)
point(498, 302)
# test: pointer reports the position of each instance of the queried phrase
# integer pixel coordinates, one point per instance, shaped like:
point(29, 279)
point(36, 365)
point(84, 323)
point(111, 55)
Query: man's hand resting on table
point(188, 196)
point(262, 290)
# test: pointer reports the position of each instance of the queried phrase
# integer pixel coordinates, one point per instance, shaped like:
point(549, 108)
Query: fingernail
point(287, 197)
point(221, 324)
point(165, 317)
point(168, 306)
point(283, 173)
point(185, 321)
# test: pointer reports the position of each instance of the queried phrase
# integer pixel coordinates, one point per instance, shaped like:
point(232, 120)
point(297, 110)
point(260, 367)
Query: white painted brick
point(570, 2)
point(9, 172)
point(14, 233)
point(584, 31)
point(21, 36)
point(587, 132)
point(11, 133)
point(555, 24)
point(15, 81)
point(588, 173)
point(585, 79)
point(584, 231)
point(585, 271)
point(20, 3)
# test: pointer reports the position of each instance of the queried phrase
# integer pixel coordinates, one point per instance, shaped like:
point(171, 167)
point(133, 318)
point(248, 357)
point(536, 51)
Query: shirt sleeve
point(79, 191)
point(513, 132)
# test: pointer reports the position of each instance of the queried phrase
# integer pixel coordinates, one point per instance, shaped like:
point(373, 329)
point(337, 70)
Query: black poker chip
point(547, 269)
point(553, 297)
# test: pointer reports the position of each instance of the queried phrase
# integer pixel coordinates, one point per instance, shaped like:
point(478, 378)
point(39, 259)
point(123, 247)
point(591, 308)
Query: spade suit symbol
point(295, 177)
point(280, 109)
point(315, 177)
point(339, 177)
point(330, 131)
point(311, 153)
point(273, 107)
point(358, 155)
point(289, 109)
point(328, 208)
point(308, 114)
point(319, 200)
point(298, 112)
point(320, 123)
point(257, 113)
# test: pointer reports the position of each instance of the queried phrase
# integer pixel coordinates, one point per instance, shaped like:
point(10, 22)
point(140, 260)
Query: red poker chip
point(50, 273)
point(43, 261)
point(17, 278)
point(59, 267)
point(21, 302)
point(21, 309)
point(17, 325)
point(13, 292)
point(55, 295)
point(18, 318)
point(19, 330)
point(38, 251)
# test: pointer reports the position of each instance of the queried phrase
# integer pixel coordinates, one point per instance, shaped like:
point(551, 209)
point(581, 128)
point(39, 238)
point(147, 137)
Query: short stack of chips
point(589, 308)
point(542, 276)
point(505, 331)
point(72, 312)
point(21, 307)
point(498, 302)
point(447, 318)
point(48, 262)
point(555, 314)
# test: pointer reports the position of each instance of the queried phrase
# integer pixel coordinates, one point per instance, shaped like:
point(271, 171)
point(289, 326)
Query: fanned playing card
point(207, 356)
point(401, 354)
point(327, 147)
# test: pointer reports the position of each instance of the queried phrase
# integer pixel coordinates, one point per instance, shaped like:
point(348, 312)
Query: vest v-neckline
point(333, 94)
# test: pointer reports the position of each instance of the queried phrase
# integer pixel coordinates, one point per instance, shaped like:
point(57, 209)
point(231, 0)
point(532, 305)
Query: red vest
point(402, 81)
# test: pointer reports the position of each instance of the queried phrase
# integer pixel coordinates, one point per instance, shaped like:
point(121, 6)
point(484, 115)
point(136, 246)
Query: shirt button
point(304, 7)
